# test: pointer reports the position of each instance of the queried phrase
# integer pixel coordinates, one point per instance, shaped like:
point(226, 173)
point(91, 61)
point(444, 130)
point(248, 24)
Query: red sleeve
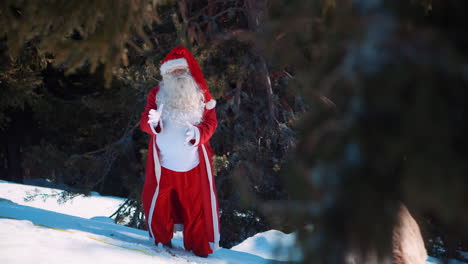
point(150, 104)
point(208, 126)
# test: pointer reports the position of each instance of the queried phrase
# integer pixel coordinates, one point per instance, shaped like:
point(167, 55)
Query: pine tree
point(386, 86)
point(76, 32)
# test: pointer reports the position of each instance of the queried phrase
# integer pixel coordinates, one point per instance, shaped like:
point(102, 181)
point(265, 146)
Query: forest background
point(331, 112)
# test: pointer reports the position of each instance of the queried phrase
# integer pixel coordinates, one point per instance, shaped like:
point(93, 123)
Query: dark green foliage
point(386, 82)
point(256, 150)
point(19, 79)
point(77, 32)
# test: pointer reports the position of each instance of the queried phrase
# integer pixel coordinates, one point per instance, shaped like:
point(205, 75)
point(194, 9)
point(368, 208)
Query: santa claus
point(179, 185)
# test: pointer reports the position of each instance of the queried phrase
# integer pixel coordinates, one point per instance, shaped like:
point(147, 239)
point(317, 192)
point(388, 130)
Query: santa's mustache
point(179, 83)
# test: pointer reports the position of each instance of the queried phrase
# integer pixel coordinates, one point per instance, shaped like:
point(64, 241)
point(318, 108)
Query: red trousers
point(180, 201)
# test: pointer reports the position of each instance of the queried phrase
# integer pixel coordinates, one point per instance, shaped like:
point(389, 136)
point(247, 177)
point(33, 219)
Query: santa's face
point(182, 98)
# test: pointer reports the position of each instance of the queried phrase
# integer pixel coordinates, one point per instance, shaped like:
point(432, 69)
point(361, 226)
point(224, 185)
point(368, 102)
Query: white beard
point(182, 98)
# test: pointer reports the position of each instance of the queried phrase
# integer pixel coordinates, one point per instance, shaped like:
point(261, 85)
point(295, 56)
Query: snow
point(78, 231)
point(272, 244)
point(82, 206)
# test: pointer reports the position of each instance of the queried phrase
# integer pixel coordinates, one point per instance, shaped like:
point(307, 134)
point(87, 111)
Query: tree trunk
point(13, 140)
point(408, 244)
point(256, 10)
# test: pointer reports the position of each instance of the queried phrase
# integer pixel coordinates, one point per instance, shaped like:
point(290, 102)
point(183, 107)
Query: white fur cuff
point(154, 129)
point(197, 136)
point(172, 64)
point(211, 104)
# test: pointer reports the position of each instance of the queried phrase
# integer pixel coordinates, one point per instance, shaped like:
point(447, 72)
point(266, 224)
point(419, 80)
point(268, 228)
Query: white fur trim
point(167, 66)
point(197, 136)
point(154, 130)
point(157, 172)
point(214, 213)
point(211, 104)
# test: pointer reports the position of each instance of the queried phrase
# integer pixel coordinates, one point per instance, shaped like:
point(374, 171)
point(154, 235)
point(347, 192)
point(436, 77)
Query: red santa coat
point(204, 171)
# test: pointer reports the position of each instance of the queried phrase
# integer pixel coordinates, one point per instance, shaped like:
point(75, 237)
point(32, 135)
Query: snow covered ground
point(44, 231)
point(46, 198)
point(272, 244)
point(79, 231)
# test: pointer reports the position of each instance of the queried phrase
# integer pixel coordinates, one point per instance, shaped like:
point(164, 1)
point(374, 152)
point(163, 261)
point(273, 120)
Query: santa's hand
point(189, 133)
point(155, 115)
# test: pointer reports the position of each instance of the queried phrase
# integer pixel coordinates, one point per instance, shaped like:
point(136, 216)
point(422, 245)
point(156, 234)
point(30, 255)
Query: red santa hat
point(180, 57)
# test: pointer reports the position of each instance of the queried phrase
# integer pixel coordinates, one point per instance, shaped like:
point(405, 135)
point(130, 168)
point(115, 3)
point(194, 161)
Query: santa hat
point(181, 57)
